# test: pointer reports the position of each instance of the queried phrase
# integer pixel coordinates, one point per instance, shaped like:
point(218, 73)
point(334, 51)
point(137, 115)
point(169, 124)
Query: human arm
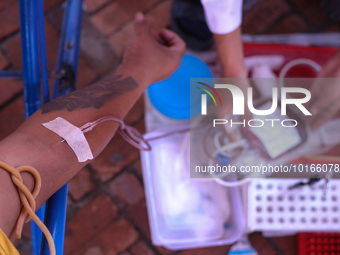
point(34, 145)
point(224, 18)
point(224, 21)
point(230, 52)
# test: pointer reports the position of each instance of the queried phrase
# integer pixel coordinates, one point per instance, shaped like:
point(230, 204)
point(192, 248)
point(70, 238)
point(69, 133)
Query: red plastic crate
point(318, 243)
point(319, 54)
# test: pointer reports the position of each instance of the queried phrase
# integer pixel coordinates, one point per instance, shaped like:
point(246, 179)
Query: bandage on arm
point(75, 138)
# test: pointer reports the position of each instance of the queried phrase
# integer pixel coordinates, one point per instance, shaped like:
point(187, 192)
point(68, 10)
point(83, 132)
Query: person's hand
point(158, 56)
point(325, 93)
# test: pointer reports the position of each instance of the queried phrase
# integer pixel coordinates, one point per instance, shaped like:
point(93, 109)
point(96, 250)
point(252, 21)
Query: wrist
point(140, 75)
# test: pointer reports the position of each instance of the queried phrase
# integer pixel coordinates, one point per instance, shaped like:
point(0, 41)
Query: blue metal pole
point(30, 56)
point(36, 232)
point(55, 220)
point(69, 47)
point(31, 80)
point(10, 74)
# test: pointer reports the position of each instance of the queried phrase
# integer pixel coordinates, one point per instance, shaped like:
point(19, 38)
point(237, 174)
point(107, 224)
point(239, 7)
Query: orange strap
point(27, 199)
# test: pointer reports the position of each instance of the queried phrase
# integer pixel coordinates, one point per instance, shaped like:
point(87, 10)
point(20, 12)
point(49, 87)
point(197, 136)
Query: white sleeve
point(222, 16)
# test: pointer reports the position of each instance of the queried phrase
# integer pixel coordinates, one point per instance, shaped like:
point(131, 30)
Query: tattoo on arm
point(95, 95)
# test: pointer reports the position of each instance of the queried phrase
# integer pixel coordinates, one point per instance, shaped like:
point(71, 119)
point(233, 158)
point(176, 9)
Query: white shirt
point(222, 16)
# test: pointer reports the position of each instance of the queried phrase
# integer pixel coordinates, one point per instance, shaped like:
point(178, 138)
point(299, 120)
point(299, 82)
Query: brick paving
point(106, 208)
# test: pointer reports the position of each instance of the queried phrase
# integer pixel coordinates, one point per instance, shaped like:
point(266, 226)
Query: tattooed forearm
point(95, 95)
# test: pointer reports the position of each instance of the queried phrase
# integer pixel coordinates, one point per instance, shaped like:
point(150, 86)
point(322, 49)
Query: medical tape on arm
point(73, 135)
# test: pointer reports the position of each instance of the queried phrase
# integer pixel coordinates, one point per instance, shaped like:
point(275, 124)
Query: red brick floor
point(106, 207)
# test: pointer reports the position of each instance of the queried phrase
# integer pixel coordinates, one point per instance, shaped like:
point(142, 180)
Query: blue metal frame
point(30, 56)
point(69, 48)
point(10, 74)
point(55, 220)
point(34, 61)
point(31, 78)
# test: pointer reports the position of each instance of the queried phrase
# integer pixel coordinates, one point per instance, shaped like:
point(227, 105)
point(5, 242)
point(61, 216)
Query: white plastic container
point(184, 212)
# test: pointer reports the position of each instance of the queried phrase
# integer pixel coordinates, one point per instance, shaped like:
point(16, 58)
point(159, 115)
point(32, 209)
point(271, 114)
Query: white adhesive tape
point(73, 136)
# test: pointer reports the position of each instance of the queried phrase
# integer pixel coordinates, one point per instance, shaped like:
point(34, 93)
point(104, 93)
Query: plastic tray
point(273, 207)
point(200, 228)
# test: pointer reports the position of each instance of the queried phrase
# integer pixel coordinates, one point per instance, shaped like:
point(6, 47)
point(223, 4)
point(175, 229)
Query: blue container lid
point(172, 96)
